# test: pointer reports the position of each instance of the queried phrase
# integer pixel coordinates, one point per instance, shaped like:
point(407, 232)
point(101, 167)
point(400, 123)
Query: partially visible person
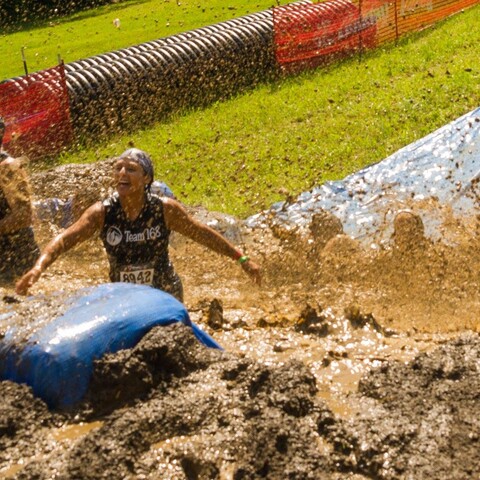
point(162, 189)
point(64, 213)
point(18, 248)
point(135, 226)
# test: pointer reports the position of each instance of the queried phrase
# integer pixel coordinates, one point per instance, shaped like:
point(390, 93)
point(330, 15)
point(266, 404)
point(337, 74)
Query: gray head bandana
point(142, 158)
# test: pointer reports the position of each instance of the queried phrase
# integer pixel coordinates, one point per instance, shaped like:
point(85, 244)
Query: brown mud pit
point(345, 364)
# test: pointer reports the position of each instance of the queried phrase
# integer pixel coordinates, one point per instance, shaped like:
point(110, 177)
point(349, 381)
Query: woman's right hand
point(90, 221)
point(28, 280)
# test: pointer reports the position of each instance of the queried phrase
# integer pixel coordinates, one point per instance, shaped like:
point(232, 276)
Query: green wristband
point(243, 259)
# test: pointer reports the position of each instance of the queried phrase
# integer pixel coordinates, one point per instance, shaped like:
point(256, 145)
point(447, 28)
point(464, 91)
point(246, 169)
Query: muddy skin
point(348, 363)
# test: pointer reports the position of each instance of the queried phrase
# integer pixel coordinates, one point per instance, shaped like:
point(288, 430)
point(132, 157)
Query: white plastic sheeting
point(434, 176)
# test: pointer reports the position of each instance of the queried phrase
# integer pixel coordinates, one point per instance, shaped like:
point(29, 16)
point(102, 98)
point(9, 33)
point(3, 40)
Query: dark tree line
point(15, 12)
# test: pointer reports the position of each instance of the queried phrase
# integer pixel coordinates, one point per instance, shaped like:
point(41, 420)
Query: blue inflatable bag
point(50, 343)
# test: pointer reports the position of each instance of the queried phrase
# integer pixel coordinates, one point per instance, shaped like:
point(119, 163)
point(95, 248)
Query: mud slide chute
point(55, 355)
point(436, 176)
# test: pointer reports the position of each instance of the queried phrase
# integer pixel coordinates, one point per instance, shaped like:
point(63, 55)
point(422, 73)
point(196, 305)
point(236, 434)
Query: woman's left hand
point(253, 270)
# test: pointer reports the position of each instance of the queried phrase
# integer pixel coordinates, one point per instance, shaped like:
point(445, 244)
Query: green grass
point(92, 32)
point(241, 155)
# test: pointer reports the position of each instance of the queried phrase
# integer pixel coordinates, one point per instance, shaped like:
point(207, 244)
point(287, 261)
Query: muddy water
point(338, 360)
point(346, 363)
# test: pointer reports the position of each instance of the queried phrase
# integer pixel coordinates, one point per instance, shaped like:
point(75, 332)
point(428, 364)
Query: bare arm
point(16, 188)
point(178, 219)
point(91, 221)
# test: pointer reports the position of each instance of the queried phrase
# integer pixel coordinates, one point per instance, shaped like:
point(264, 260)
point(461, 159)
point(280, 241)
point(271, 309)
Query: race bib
point(133, 274)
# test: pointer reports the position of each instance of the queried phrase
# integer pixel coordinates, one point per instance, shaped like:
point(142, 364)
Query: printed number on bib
point(137, 275)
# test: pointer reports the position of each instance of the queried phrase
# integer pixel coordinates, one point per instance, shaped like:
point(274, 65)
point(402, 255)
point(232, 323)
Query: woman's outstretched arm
point(178, 220)
point(84, 228)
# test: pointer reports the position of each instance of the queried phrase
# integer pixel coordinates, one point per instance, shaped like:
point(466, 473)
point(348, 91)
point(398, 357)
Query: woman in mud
point(18, 249)
point(134, 226)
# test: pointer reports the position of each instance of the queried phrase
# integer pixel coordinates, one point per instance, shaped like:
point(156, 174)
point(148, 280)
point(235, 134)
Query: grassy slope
point(92, 32)
point(240, 156)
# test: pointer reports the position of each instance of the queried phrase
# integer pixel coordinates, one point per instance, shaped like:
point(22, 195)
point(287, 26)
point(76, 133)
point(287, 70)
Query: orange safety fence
point(307, 35)
point(36, 111)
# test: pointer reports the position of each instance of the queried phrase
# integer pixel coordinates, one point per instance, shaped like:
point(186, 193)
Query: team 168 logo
point(115, 236)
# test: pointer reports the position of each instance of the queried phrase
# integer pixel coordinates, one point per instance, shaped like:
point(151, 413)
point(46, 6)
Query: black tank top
point(4, 207)
point(137, 250)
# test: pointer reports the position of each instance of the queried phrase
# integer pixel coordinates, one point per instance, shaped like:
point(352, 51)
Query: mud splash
point(347, 364)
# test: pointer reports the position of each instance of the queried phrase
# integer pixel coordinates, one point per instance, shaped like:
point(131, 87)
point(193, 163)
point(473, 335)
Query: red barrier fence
point(307, 35)
point(36, 112)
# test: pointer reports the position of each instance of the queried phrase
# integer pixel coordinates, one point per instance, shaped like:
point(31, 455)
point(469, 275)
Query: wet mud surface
point(346, 364)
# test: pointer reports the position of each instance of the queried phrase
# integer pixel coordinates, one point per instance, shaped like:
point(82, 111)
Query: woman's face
point(129, 177)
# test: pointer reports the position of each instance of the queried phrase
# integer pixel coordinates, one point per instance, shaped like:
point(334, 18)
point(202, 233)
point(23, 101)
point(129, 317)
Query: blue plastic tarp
point(56, 359)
